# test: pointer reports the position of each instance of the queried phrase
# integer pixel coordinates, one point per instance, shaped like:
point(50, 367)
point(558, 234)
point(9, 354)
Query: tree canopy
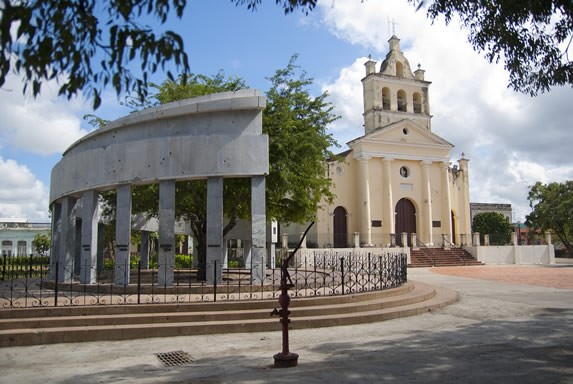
point(552, 209)
point(89, 44)
point(493, 224)
point(532, 37)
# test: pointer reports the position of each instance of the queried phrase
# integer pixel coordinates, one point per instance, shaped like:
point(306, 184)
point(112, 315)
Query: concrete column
point(356, 240)
point(476, 242)
point(485, 239)
point(89, 236)
point(100, 246)
point(248, 253)
point(77, 244)
point(414, 238)
point(258, 228)
point(56, 238)
point(144, 250)
point(214, 229)
point(446, 202)
point(427, 203)
point(303, 243)
point(65, 255)
point(166, 254)
point(388, 219)
point(548, 237)
point(284, 240)
point(514, 239)
point(122, 234)
point(364, 185)
point(404, 239)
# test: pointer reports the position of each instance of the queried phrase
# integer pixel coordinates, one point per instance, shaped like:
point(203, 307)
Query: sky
point(511, 139)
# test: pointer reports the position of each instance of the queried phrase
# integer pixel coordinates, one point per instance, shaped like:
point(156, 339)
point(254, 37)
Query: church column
point(466, 225)
point(426, 221)
point(388, 219)
point(259, 228)
point(214, 229)
point(166, 253)
point(446, 203)
point(89, 238)
point(364, 182)
point(122, 234)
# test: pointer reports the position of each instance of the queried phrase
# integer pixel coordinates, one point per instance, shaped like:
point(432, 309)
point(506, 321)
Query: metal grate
point(175, 358)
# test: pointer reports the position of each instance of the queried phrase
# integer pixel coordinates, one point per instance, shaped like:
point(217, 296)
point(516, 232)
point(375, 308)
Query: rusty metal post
point(285, 358)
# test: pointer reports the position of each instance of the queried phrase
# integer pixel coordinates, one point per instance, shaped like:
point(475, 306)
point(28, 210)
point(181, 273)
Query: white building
point(17, 236)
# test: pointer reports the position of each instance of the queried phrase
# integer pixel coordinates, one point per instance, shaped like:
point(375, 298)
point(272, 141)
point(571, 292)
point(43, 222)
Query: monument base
point(286, 360)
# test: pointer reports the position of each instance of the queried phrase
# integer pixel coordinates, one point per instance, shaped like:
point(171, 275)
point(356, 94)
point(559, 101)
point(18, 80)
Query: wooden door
point(405, 220)
point(340, 228)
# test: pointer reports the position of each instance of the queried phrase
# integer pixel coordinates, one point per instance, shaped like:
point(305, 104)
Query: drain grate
point(175, 358)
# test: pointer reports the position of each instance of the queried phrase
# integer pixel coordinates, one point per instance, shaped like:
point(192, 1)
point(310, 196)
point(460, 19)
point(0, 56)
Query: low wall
point(520, 254)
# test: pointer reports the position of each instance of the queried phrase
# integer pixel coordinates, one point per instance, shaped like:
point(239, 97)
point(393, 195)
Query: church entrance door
point(453, 239)
point(405, 220)
point(340, 228)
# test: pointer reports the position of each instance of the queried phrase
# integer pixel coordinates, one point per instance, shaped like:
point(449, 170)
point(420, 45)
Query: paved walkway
point(500, 332)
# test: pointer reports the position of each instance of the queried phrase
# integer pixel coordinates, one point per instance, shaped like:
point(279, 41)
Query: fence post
point(342, 272)
point(31, 263)
point(214, 280)
point(56, 287)
point(139, 282)
point(4, 267)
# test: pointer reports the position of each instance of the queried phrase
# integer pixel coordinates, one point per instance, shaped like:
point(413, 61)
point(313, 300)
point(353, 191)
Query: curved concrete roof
point(213, 135)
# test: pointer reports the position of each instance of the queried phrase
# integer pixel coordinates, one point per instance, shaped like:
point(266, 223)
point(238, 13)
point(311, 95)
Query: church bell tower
point(394, 93)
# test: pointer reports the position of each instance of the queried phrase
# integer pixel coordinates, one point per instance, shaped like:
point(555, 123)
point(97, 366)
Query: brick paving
point(557, 276)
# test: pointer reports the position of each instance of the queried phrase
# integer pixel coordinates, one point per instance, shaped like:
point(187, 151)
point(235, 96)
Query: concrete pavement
point(497, 332)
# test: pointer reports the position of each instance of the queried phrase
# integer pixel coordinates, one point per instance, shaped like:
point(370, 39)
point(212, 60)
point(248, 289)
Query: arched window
point(417, 102)
point(386, 98)
point(402, 103)
point(399, 69)
point(22, 248)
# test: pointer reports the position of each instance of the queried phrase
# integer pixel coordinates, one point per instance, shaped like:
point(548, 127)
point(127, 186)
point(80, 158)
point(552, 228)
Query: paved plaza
point(512, 324)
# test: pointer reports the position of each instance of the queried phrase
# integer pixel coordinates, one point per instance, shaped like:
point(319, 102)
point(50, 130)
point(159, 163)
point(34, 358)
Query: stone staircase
point(439, 257)
point(33, 326)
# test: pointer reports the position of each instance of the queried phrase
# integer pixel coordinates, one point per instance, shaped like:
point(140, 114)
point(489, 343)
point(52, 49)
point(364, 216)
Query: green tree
point(92, 43)
point(299, 145)
point(552, 209)
point(42, 244)
point(532, 37)
point(493, 224)
point(88, 44)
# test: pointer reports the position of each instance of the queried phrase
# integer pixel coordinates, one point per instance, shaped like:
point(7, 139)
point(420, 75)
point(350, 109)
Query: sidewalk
point(497, 332)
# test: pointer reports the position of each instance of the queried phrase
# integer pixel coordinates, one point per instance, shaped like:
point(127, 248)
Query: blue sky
point(511, 140)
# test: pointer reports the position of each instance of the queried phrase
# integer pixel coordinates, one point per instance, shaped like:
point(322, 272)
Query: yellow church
point(396, 183)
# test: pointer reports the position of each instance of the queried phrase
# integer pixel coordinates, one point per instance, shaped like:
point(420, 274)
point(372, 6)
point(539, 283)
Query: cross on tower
point(393, 24)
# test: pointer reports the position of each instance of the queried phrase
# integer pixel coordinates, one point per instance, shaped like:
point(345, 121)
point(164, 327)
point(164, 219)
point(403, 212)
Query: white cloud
point(44, 125)
point(511, 139)
point(21, 193)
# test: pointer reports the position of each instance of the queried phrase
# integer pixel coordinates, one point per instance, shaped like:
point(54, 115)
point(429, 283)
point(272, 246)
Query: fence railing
point(328, 273)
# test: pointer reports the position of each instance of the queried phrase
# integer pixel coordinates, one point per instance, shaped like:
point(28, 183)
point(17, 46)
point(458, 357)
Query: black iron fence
point(314, 273)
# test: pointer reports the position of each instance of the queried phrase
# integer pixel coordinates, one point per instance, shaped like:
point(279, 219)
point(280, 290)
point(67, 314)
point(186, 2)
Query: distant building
point(17, 236)
point(504, 209)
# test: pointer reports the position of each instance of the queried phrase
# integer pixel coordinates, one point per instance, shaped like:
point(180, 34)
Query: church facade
point(396, 182)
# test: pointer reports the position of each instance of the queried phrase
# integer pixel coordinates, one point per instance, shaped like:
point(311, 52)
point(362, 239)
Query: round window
point(405, 131)
point(404, 172)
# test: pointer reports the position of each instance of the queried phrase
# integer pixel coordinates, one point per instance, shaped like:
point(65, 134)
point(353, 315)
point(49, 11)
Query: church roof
point(402, 139)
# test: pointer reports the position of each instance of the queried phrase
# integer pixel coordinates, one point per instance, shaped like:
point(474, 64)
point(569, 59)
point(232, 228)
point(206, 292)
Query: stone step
point(411, 299)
